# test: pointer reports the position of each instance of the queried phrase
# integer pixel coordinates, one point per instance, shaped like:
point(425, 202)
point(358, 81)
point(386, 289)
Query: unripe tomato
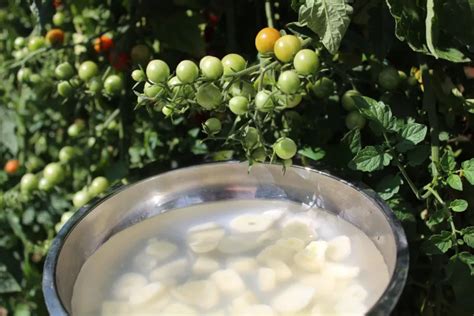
point(239, 105)
point(24, 74)
point(76, 128)
point(289, 82)
point(209, 96)
point(212, 126)
point(66, 154)
point(187, 71)
point(167, 110)
point(306, 62)
point(55, 37)
point(251, 137)
point(44, 184)
point(11, 166)
point(140, 54)
point(285, 148)
point(157, 71)
point(65, 89)
point(95, 85)
point(323, 88)
point(242, 88)
point(259, 154)
point(265, 40)
point(22, 310)
point(113, 84)
point(389, 78)
point(103, 44)
point(88, 70)
point(263, 101)
point(347, 100)
point(289, 101)
point(98, 186)
point(355, 120)
point(33, 163)
point(19, 42)
point(211, 67)
point(138, 75)
point(80, 198)
point(286, 48)
point(151, 90)
point(233, 63)
point(35, 43)
point(64, 71)
point(29, 182)
point(36, 79)
point(53, 172)
point(59, 18)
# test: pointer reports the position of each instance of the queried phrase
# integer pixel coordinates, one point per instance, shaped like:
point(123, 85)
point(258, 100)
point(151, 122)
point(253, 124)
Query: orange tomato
point(103, 44)
point(55, 36)
point(265, 39)
point(12, 166)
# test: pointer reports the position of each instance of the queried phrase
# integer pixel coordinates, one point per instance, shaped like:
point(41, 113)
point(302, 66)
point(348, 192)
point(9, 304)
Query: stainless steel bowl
point(95, 223)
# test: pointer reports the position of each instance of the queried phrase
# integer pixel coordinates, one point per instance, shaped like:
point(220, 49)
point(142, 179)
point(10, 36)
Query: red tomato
point(120, 61)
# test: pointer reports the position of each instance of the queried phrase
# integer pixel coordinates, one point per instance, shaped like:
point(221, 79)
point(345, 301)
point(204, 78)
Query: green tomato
point(88, 70)
point(347, 100)
point(22, 310)
point(76, 128)
point(80, 198)
point(251, 137)
point(212, 126)
point(389, 78)
point(65, 89)
point(211, 67)
point(59, 18)
point(53, 172)
point(355, 120)
point(99, 185)
point(29, 182)
point(233, 63)
point(64, 71)
point(323, 88)
point(187, 71)
point(34, 163)
point(44, 184)
point(113, 84)
point(167, 110)
point(239, 105)
point(289, 82)
point(24, 74)
point(306, 62)
point(95, 85)
point(140, 54)
point(263, 101)
point(36, 79)
point(19, 42)
point(35, 43)
point(289, 101)
point(242, 88)
point(66, 154)
point(152, 90)
point(157, 71)
point(138, 75)
point(209, 96)
point(259, 154)
point(286, 48)
point(285, 148)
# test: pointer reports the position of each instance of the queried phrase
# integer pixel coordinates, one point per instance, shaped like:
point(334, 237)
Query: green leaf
point(468, 170)
point(466, 257)
point(352, 140)
point(8, 284)
point(448, 162)
point(468, 236)
point(414, 132)
point(438, 243)
point(458, 205)
point(7, 131)
point(455, 182)
point(377, 112)
point(314, 154)
point(371, 158)
point(430, 25)
point(388, 186)
point(327, 18)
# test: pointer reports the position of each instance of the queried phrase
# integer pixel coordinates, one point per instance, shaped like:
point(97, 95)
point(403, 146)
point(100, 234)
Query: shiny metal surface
point(94, 224)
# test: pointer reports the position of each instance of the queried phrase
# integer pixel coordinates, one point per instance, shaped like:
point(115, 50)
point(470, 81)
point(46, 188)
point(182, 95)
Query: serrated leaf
point(353, 141)
point(468, 170)
point(312, 153)
point(455, 182)
point(377, 112)
point(388, 186)
point(448, 162)
point(468, 236)
point(458, 205)
point(8, 284)
point(371, 158)
point(438, 243)
point(414, 132)
point(327, 18)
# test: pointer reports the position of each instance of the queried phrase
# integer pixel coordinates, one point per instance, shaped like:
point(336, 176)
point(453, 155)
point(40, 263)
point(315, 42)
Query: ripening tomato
point(12, 166)
point(55, 37)
point(265, 40)
point(286, 48)
point(103, 44)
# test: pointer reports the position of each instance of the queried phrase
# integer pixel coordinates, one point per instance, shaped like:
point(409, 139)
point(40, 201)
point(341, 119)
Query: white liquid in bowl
point(238, 257)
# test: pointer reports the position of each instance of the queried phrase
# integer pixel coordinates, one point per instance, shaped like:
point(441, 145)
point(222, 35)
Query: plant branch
point(269, 13)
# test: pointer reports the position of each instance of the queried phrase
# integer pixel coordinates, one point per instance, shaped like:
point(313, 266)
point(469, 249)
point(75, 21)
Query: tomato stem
point(269, 13)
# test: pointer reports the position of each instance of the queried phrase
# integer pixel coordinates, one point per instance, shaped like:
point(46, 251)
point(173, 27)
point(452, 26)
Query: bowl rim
point(383, 306)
